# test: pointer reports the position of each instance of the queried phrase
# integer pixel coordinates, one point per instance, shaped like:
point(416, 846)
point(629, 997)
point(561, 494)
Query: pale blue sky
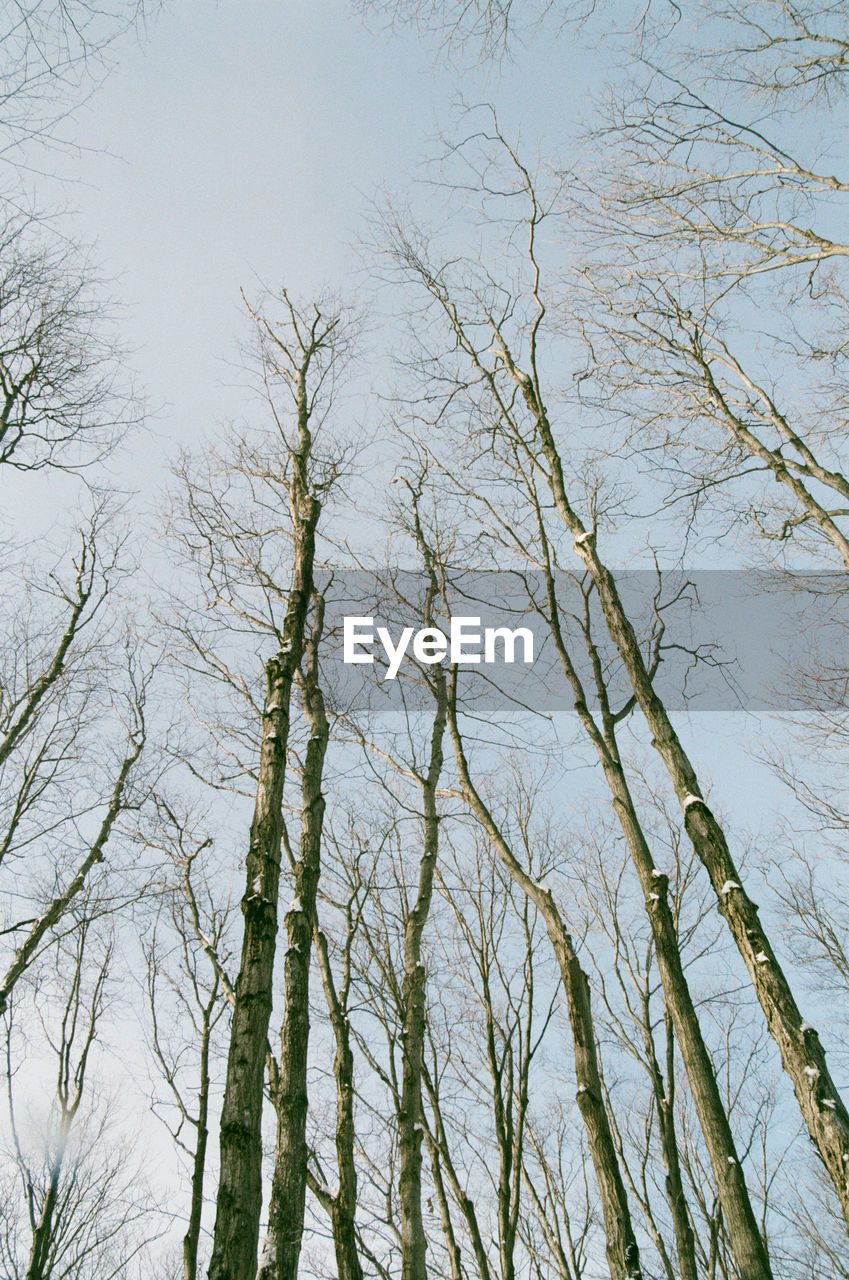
point(246, 140)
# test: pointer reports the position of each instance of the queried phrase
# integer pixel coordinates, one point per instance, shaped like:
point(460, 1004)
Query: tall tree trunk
point(191, 1240)
point(802, 1054)
point(42, 1237)
point(239, 1201)
point(342, 1218)
point(342, 1206)
point(664, 1102)
point(282, 1248)
point(746, 1241)
point(413, 1239)
point(623, 1255)
point(442, 1149)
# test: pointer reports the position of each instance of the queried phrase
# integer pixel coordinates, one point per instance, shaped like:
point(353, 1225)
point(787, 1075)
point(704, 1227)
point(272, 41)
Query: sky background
point(245, 142)
point(239, 143)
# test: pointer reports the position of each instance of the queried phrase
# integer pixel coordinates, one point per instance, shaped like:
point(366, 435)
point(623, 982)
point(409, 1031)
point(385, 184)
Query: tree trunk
point(623, 1256)
point(684, 1239)
point(282, 1248)
point(801, 1052)
point(342, 1207)
point(413, 1239)
point(42, 1237)
point(191, 1239)
point(239, 1201)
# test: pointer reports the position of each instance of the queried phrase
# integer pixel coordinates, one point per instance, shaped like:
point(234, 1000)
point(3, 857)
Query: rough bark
point(413, 1238)
point(623, 1256)
point(803, 1057)
point(239, 1199)
point(282, 1247)
point(745, 1237)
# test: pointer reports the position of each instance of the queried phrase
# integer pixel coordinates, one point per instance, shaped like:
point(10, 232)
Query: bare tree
point(282, 1246)
point(188, 995)
point(261, 579)
point(341, 1205)
point(507, 391)
point(87, 1214)
point(53, 50)
point(60, 788)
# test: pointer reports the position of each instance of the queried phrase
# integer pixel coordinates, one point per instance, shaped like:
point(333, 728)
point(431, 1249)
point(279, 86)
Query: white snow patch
point(657, 874)
point(731, 1160)
point(762, 957)
point(728, 886)
point(583, 537)
point(806, 1026)
point(295, 905)
point(690, 800)
point(654, 897)
point(829, 1102)
point(813, 1072)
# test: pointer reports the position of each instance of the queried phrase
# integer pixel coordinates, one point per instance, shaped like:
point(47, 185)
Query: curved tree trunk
point(623, 1255)
point(822, 1108)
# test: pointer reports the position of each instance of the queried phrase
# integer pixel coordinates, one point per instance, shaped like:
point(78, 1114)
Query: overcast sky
point(245, 141)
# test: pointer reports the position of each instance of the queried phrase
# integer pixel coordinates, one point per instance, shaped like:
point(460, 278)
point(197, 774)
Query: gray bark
point(282, 1247)
point(822, 1108)
point(740, 1222)
point(413, 1238)
point(623, 1256)
point(239, 1201)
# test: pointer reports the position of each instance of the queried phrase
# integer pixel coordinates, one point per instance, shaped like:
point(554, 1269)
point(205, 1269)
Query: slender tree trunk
point(623, 1256)
point(802, 1054)
point(740, 1222)
point(239, 1202)
point(342, 1207)
point(451, 1245)
point(39, 1258)
point(348, 1264)
point(684, 1239)
point(282, 1247)
point(413, 1238)
point(191, 1239)
point(746, 1241)
point(467, 1207)
point(59, 905)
